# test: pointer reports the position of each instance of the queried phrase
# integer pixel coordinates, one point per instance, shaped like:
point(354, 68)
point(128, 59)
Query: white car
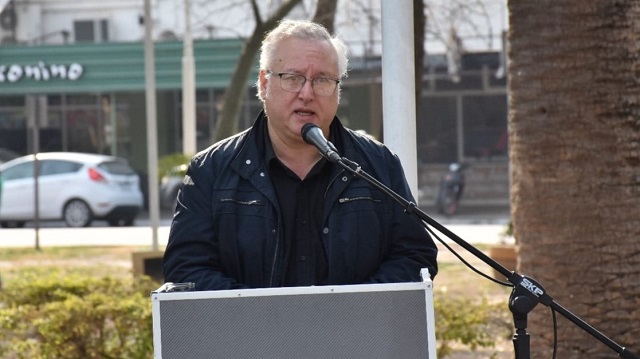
point(74, 187)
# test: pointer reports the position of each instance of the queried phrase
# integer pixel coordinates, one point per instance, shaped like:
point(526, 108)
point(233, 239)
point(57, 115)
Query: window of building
point(485, 126)
point(437, 130)
point(91, 30)
point(83, 31)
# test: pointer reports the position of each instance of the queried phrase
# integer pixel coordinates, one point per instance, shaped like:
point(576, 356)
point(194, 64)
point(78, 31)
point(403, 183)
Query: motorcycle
point(451, 189)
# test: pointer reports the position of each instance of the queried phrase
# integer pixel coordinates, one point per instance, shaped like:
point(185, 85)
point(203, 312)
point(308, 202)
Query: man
point(264, 209)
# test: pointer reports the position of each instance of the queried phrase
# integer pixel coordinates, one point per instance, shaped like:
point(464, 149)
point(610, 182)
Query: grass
point(98, 261)
point(60, 253)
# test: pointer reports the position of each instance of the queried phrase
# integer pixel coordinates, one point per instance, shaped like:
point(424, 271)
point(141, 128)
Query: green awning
point(113, 66)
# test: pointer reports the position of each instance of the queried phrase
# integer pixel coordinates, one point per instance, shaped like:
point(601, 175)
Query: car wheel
point(77, 214)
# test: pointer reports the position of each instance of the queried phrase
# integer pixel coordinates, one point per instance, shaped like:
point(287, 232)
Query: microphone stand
point(526, 293)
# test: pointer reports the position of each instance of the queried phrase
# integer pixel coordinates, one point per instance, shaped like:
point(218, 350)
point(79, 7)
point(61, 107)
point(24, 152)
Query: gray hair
point(304, 30)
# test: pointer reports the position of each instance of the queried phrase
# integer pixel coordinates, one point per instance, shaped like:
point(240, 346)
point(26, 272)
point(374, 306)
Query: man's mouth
point(304, 113)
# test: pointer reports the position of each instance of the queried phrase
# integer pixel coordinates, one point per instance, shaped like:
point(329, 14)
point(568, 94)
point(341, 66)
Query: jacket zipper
point(248, 203)
point(351, 199)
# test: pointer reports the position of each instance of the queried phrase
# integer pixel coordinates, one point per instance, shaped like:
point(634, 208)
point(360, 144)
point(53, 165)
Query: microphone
point(312, 134)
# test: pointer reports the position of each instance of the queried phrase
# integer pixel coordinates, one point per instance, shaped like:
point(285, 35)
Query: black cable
point(469, 265)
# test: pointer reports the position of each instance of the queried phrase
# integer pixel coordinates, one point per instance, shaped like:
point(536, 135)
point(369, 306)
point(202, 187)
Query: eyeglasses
point(322, 86)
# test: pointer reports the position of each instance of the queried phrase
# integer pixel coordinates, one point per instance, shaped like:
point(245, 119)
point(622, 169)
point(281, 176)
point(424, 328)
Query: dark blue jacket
point(226, 231)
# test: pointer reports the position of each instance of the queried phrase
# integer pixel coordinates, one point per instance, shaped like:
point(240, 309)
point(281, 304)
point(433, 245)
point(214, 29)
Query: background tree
point(454, 22)
point(234, 95)
point(227, 123)
point(457, 14)
point(326, 14)
point(574, 134)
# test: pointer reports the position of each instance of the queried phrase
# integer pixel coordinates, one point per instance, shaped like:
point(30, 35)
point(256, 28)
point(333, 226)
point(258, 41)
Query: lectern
point(365, 321)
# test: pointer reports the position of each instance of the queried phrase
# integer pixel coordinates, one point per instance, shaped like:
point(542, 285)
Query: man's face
point(287, 112)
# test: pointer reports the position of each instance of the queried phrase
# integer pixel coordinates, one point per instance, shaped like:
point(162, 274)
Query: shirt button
point(303, 258)
point(325, 230)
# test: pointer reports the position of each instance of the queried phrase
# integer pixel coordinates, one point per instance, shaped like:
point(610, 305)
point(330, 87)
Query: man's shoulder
point(222, 150)
point(368, 144)
point(226, 145)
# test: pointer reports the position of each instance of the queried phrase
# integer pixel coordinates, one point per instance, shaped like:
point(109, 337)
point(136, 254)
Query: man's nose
point(307, 89)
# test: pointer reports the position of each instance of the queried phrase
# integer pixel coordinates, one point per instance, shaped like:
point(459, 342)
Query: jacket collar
point(249, 162)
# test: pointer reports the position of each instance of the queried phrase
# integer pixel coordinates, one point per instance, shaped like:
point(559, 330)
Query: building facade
point(72, 79)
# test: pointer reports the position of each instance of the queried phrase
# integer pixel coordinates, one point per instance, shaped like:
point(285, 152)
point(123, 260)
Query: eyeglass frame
point(280, 74)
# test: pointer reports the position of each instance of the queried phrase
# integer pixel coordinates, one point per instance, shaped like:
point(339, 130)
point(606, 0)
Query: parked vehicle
point(169, 186)
point(451, 189)
point(74, 187)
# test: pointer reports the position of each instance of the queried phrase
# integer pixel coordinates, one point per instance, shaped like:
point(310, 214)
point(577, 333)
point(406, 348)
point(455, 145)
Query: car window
point(116, 168)
point(19, 171)
point(54, 167)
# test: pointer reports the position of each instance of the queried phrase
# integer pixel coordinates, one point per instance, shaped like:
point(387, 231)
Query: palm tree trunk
point(574, 132)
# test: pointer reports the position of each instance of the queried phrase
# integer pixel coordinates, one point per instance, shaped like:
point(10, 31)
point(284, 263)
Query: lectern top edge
point(259, 292)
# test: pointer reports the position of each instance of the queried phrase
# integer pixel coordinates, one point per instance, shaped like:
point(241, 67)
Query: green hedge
point(56, 314)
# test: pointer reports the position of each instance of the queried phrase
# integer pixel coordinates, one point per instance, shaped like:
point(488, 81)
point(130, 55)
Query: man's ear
point(263, 83)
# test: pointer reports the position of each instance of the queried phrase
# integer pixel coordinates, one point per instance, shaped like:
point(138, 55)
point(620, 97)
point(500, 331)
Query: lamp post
point(188, 88)
point(152, 127)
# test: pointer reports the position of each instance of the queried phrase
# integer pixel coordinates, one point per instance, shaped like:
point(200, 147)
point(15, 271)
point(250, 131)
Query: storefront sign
point(40, 72)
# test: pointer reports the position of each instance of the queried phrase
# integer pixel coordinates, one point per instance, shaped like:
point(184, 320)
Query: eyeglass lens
point(322, 86)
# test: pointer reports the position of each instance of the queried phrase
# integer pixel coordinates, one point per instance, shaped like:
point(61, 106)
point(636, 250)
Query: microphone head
point(304, 132)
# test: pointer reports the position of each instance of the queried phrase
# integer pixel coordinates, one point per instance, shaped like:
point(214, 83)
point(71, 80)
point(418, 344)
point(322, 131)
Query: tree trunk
point(574, 132)
point(326, 14)
point(227, 124)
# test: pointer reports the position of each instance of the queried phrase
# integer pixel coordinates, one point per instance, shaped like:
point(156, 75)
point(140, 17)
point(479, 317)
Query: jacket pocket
point(250, 203)
point(244, 225)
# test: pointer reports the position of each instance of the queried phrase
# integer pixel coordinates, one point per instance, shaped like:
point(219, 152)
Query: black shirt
point(301, 208)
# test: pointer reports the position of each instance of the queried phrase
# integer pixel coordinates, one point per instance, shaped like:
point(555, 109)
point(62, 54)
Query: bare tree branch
point(227, 123)
point(256, 13)
point(326, 13)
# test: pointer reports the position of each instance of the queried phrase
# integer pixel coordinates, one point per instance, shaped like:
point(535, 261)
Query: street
point(473, 227)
